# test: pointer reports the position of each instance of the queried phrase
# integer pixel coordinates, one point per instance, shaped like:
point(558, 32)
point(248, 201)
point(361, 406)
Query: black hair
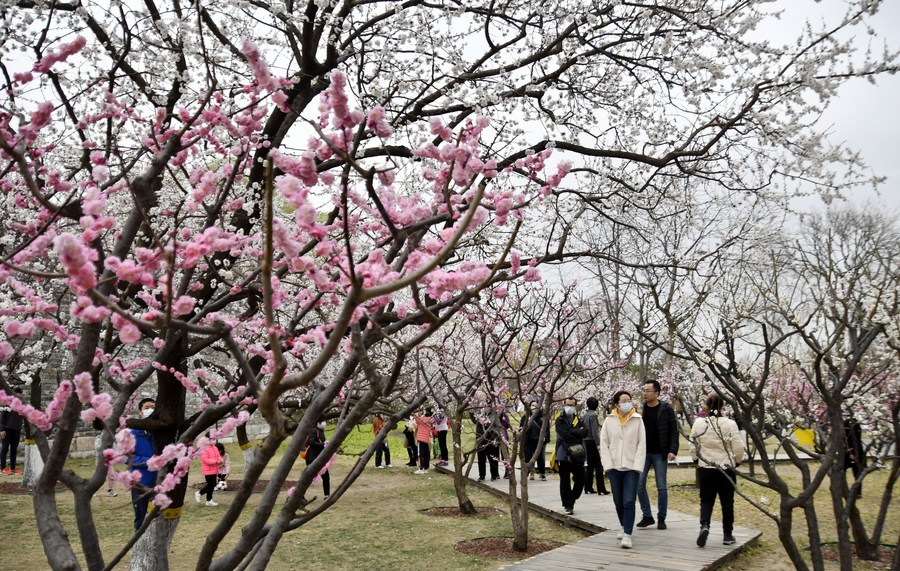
point(145, 401)
point(429, 411)
point(655, 383)
point(714, 405)
point(615, 400)
point(592, 403)
point(221, 447)
point(570, 398)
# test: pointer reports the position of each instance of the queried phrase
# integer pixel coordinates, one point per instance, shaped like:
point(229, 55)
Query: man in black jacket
point(570, 432)
point(10, 432)
point(662, 447)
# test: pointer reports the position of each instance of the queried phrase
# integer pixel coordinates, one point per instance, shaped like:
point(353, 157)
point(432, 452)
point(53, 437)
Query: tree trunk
point(785, 525)
point(34, 465)
point(518, 506)
point(249, 456)
point(466, 507)
point(151, 552)
point(248, 447)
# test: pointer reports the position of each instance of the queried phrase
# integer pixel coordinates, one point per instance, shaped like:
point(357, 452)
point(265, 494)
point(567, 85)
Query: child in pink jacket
point(210, 461)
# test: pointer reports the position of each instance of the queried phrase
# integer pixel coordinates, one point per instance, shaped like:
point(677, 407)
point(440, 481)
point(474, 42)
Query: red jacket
point(209, 460)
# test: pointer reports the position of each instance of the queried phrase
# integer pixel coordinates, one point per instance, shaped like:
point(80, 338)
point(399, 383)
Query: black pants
point(383, 449)
point(530, 449)
point(442, 444)
point(210, 486)
point(571, 482)
point(489, 454)
point(326, 477)
point(594, 468)
point(10, 443)
point(714, 483)
point(140, 501)
point(423, 455)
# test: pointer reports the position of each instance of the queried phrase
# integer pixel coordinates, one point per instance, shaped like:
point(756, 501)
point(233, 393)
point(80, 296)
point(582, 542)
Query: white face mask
point(625, 407)
point(147, 412)
point(570, 410)
point(321, 425)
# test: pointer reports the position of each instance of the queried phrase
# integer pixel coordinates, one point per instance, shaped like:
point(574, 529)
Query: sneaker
point(531, 476)
point(569, 511)
point(481, 479)
point(17, 471)
point(388, 466)
point(590, 492)
point(197, 496)
point(728, 539)
point(620, 534)
point(111, 494)
point(7, 471)
point(661, 524)
point(626, 542)
point(325, 498)
point(646, 521)
point(494, 478)
point(543, 478)
point(603, 492)
point(701, 539)
point(211, 504)
point(420, 471)
point(379, 466)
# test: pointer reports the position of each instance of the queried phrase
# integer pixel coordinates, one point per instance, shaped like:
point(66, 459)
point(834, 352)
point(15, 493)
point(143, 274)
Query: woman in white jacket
point(717, 447)
point(623, 449)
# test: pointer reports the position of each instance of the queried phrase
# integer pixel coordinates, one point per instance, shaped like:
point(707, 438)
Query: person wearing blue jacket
point(144, 448)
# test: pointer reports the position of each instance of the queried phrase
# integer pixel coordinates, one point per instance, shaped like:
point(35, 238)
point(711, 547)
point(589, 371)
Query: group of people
point(628, 444)
point(420, 430)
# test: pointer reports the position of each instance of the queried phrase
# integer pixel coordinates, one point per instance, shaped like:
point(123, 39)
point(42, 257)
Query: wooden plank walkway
point(673, 549)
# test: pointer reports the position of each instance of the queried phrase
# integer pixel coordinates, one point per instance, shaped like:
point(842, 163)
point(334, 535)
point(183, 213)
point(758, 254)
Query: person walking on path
point(661, 427)
point(210, 462)
point(144, 448)
point(424, 426)
point(594, 467)
point(623, 451)
point(315, 444)
point(382, 450)
point(442, 425)
point(717, 447)
point(570, 433)
point(10, 433)
point(532, 438)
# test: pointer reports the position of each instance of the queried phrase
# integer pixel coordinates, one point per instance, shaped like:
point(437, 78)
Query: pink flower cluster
point(48, 61)
point(77, 259)
point(230, 425)
point(42, 420)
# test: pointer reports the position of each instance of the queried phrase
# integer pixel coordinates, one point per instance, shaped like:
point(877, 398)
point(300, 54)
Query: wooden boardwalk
point(672, 549)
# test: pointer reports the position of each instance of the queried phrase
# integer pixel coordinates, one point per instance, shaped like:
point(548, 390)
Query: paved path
point(672, 549)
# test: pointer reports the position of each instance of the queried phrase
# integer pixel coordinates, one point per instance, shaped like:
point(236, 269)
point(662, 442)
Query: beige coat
point(716, 441)
point(623, 447)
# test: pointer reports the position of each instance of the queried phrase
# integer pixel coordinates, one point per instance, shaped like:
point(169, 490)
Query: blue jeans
point(624, 492)
point(660, 464)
